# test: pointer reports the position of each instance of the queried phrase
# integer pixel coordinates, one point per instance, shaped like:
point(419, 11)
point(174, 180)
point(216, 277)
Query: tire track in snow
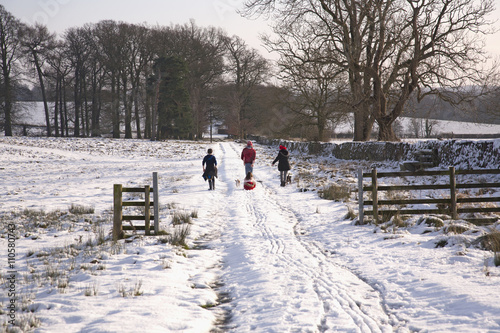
point(361, 312)
point(277, 245)
point(302, 270)
point(332, 292)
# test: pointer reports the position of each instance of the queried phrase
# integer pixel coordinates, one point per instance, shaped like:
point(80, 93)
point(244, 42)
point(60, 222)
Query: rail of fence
point(450, 205)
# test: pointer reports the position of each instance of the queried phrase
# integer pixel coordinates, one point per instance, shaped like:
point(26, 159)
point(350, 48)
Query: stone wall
point(462, 154)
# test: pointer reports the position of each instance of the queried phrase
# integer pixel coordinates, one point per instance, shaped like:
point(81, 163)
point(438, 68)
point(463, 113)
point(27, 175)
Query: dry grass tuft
point(455, 229)
point(490, 241)
point(335, 192)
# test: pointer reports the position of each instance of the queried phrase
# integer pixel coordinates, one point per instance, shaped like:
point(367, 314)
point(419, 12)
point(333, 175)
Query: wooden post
point(147, 209)
point(453, 195)
point(374, 195)
point(360, 196)
point(156, 204)
point(117, 212)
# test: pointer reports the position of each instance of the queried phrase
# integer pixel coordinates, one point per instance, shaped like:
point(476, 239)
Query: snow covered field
point(269, 260)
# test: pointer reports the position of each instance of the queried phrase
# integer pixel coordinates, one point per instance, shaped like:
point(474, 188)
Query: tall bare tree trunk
point(115, 106)
point(56, 108)
point(44, 95)
point(7, 91)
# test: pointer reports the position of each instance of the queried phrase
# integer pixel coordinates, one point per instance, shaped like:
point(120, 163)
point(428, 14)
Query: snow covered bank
point(462, 154)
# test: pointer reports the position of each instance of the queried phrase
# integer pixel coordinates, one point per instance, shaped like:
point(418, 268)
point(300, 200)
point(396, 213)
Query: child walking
point(209, 164)
point(248, 156)
point(283, 164)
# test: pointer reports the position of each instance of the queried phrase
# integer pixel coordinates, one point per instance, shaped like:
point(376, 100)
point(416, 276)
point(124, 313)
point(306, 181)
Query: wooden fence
point(118, 205)
point(445, 205)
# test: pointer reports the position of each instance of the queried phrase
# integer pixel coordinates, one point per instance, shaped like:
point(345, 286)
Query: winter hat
point(249, 143)
point(282, 147)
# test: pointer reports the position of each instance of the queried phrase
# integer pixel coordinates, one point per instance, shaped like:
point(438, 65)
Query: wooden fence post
point(360, 196)
point(375, 195)
point(117, 212)
point(156, 204)
point(453, 195)
point(147, 209)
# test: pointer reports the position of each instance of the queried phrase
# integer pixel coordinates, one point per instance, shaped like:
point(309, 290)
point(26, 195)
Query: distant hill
point(431, 107)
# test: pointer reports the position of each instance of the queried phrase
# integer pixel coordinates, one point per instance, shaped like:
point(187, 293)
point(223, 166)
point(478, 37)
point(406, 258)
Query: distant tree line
point(370, 59)
point(131, 80)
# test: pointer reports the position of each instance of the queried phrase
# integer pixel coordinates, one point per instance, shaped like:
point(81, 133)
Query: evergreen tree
point(175, 119)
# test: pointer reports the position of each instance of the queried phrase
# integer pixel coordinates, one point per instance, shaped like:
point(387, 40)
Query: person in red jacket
point(248, 156)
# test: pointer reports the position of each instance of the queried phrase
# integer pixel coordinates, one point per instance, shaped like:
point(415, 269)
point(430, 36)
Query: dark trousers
point(283, 177)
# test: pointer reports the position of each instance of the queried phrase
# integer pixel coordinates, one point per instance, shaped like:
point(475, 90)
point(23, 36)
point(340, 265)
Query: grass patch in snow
point(181, 218)
point(136, 290)
point(456, 229)
point(23, 323)
point(431, 221)
point(335, 192)
point(351, 214)
point(178, 235)
point(491, 241)
point(92, 289)
point(81, 209)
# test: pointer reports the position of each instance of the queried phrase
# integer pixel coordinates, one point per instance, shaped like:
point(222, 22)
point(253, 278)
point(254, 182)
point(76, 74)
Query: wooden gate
point(118, 204)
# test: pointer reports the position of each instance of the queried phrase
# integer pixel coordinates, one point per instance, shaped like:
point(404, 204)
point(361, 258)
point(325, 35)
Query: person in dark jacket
point(283, 164)
point(209, 164)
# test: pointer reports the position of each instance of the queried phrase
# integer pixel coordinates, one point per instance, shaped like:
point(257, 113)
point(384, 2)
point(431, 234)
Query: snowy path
point(283, 284)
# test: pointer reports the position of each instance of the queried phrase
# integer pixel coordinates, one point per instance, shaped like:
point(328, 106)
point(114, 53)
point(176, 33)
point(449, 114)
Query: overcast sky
point(59, 15)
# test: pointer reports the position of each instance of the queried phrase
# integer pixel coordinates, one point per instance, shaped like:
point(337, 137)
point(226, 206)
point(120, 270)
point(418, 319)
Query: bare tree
point(415, 127)
point(127, 47)
point(142, 56)
point(59, 70)
point(107, 33)
point(96, 75)
point(429, 127)
point(434, 49)
point(37, 44)
point(78, 51)
point(10, 43)
point(318, 86)
point(246, 70)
